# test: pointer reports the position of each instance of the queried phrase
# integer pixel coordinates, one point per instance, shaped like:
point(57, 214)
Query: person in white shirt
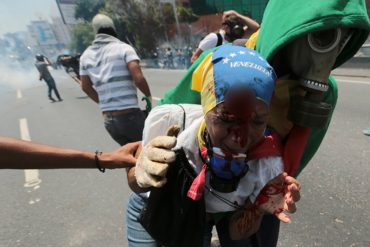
point(110, 72)
point(234, 26)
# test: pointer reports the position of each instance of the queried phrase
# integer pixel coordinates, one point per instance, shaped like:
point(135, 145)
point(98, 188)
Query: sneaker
point(366, 131)
point(60, 99)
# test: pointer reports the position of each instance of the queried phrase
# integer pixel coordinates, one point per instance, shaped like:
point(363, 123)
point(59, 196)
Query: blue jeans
point(137, 236)
point(125, 128)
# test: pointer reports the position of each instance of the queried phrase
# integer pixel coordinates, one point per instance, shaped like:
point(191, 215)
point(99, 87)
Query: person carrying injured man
point(239, 169)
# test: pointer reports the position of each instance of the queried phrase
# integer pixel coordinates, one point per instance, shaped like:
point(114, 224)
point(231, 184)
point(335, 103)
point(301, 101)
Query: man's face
point(236, 132)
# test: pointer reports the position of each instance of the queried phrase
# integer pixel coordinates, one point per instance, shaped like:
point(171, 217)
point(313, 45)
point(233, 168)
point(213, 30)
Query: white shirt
point(260, 171)
point(210, 40)
point(105, 62)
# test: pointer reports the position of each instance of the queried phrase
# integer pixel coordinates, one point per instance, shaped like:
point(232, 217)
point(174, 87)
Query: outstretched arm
point(195, 55)
point(18, 154)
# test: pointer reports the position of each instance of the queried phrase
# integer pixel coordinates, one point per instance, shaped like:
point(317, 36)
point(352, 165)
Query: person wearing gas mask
point(234, 26)
point(238, 171)
point(303, 43)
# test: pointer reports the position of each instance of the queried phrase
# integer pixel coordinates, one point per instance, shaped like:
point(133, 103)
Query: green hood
point(282, 23)
point(278, 28)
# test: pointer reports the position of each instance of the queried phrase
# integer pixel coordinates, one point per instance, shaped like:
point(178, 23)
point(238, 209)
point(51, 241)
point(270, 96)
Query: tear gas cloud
point(14, 76)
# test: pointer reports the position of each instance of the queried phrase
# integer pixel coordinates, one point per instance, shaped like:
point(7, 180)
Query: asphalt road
point(87, 208)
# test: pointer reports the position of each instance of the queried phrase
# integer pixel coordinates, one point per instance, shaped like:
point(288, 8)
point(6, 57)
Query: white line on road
point(351, 81)
point(156, 98)
point(19, 94)
point(31, 176)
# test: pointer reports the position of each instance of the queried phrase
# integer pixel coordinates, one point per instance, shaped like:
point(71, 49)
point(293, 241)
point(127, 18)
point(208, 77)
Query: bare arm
point(252, 25)
point(196, 54)
point(18, 154)
point(87, 87)
point(138, 77)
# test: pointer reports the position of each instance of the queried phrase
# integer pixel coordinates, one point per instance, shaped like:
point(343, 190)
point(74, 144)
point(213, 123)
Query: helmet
point(102, 21)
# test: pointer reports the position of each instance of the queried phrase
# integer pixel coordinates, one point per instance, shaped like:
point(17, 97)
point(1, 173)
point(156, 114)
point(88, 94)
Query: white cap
point(102, 21)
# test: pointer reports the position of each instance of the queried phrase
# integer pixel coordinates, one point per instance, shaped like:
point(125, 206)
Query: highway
point(87, 208)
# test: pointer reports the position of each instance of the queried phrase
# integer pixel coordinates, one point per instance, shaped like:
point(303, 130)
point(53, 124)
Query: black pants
point(266, 236)
point(52, 87)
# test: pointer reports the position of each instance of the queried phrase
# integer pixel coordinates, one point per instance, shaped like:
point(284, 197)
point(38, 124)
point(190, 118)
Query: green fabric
point(278, 27)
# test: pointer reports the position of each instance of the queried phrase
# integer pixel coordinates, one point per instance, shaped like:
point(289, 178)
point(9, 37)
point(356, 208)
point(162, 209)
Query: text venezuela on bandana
point(237, 66)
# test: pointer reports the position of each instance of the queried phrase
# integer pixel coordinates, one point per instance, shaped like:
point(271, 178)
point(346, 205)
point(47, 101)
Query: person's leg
point(54, 87)
point(126, 128)
point(137, 236)
point(222, 228)
point(208, 231)
point(268, 233)
point(49, 91)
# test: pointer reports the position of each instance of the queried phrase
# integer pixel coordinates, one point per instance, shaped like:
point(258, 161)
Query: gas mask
point(311, 58)
point(226, 170)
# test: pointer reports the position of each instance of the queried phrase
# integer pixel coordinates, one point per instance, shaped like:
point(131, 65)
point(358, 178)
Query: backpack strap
point(219, 39)
point(184, 117)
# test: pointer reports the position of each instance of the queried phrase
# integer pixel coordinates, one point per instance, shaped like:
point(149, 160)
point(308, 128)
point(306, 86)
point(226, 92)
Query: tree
point(186, 14)
point(83, 35)
point(87, 9)
point(143, 22)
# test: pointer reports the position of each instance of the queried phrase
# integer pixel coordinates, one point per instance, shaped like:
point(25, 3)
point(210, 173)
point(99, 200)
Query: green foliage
point(87, 9)
point(167, 11)
point(186, 14)
point(141, 23)
point(83, 35)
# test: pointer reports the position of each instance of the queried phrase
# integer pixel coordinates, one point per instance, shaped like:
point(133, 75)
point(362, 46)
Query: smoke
point(17, 76)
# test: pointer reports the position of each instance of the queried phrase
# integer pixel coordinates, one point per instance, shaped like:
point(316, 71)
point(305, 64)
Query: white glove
point(152, 164)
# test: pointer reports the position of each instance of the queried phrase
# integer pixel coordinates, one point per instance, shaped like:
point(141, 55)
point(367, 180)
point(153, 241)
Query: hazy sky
point(15, 15)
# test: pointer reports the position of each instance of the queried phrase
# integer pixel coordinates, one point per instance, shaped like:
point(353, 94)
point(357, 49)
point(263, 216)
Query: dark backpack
point(169, 216)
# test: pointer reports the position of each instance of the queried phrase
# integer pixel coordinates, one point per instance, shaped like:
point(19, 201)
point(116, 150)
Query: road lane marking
point(156, 98)
point(352, 81)
point(19, 94)
point(32, 179)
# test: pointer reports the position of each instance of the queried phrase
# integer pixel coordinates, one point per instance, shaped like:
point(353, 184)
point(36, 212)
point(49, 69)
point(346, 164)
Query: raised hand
point(279, 196)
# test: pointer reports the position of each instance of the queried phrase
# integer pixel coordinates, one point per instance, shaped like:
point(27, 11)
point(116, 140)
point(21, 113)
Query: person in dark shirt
point(41, 65)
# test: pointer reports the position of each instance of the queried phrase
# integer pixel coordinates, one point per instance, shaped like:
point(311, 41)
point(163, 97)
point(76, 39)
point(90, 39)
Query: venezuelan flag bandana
point(229, 69)
point(232, 67)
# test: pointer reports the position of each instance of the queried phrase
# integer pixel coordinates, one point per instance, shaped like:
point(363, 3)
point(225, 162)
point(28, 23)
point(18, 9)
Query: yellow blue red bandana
point(232, 67)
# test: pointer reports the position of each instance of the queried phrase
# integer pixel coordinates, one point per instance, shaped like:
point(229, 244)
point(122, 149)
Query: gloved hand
point(148, 101)
point(154, 159)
